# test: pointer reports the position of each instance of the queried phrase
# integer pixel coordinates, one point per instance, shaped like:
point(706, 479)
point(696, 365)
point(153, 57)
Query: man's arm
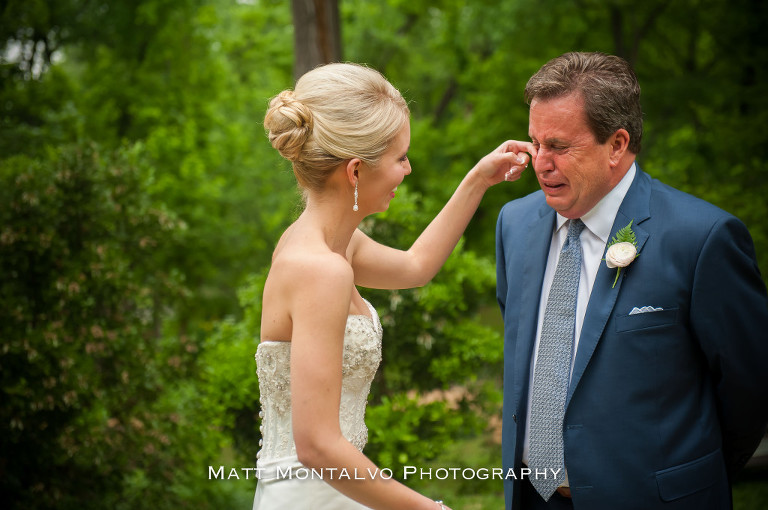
point(729, 317)
point(501, 265)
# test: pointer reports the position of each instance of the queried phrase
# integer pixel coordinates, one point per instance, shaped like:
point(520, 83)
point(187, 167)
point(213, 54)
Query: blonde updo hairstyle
point(336, 112)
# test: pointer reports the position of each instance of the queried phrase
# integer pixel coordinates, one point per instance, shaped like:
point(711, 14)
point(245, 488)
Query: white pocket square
point(645, 309)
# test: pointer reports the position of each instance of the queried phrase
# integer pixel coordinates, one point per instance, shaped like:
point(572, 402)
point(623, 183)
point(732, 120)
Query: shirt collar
point(600, 218)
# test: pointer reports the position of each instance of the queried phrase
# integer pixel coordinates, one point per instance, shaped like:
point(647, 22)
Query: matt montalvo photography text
point(422, 473)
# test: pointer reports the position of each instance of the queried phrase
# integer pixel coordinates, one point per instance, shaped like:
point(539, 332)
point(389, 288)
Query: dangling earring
point(354, 207)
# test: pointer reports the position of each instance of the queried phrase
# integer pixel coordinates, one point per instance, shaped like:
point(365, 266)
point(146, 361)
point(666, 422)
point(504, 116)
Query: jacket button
point(514, 418)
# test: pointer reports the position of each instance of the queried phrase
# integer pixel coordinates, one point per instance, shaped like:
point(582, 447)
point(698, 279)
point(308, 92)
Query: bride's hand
point(505, 163)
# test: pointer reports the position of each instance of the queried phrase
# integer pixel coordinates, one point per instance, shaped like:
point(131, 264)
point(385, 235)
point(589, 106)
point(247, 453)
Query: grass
point(750, 490)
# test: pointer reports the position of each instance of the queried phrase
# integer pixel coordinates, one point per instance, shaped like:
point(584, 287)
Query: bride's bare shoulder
point(308, 263)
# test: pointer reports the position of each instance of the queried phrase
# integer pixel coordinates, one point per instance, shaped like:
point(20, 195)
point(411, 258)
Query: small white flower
point(620, 255)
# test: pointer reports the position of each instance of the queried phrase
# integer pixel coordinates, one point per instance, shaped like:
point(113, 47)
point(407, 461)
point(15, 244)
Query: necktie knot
point(575, 228)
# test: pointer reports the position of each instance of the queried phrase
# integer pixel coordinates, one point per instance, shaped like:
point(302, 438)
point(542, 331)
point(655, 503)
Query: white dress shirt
point(594, 238)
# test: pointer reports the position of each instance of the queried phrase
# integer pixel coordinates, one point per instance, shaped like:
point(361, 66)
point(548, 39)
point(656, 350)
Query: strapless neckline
point(373, 318)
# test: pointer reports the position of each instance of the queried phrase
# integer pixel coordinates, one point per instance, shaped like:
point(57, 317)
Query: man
point(642, 386)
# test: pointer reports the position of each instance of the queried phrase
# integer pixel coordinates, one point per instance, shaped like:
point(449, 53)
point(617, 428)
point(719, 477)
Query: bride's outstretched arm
point(319, 309)
point(382, 267)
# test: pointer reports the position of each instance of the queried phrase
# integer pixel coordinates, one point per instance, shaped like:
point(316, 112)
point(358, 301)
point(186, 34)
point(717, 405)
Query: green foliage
point(403, 431)
point(81, 297)
point(190, 80)
point(230, 390)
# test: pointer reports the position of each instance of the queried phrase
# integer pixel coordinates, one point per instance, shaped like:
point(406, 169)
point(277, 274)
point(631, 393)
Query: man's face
point(573, 170)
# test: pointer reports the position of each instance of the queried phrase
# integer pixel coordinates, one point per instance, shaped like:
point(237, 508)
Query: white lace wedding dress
point(283, 482)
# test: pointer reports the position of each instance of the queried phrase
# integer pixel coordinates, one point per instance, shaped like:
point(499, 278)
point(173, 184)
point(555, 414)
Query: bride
point(346, 130)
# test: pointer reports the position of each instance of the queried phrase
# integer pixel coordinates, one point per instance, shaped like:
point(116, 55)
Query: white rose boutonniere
point(620, 255)
point(622, 250)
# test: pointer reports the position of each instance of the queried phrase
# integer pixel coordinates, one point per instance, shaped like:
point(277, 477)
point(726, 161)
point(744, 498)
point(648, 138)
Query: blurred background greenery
point(140, 201)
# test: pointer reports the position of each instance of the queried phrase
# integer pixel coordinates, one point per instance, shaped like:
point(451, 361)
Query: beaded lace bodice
point(362, 355)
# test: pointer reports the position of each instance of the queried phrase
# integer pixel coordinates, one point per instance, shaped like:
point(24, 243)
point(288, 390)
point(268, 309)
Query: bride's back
point(297, 248)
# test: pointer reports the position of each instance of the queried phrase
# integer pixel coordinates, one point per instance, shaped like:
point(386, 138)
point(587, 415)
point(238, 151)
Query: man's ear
point(352, 167)
point(619, 144)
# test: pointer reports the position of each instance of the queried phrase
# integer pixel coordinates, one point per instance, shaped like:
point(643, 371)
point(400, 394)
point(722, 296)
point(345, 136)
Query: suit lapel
point(536, 244)
point(635, 208)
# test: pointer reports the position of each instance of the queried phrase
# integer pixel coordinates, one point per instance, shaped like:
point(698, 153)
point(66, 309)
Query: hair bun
point(289, 122)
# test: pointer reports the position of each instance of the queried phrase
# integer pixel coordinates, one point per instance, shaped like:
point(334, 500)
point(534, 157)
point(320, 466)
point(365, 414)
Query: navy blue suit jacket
point(662, 406)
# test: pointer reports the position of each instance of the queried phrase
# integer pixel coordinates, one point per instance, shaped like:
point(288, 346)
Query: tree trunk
point(316, 34)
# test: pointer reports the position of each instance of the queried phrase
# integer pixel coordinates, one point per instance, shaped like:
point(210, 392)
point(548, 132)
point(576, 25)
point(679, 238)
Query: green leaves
point(80, 298)
point(625, 235)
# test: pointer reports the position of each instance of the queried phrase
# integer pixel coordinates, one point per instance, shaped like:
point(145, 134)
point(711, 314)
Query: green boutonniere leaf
point(625, 235)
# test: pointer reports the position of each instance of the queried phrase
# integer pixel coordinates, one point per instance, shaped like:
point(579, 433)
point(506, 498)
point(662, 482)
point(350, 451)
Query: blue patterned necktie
point(551, 374)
